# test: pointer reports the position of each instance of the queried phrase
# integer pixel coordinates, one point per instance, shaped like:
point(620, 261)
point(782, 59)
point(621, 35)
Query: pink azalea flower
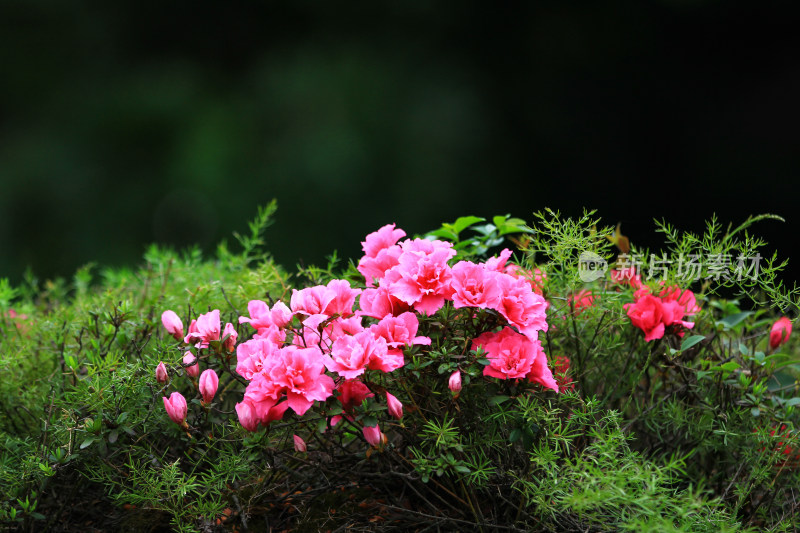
point(230, 336)
point(474, 286)
point(422, 276)
point(311, 300)
point(343, 299)
point(251, 356)
point(521, 307)
point(300, 373)
point(209, 381)
point(780, 332)
point(561, 365)
point(161, 373)
point(192, 370)
point(176, 408)
point(172, 323)
point(399, 331)
point(374, 268)
point(204, 330)
point(454, 383)
point(262, 318)
point(535, 278)
point(394, 405)
point(540, 373)
point(498, 264)
point(299, 444)
point(344, 326)
point(511, 354)
point(247, 415)
point(646, 314)
point(377, 303)
point(583, 299)
point(379, 240)
point(627, 276)
point(352, 393)
point(374, 436)
point(350, 355)
point(685, 298)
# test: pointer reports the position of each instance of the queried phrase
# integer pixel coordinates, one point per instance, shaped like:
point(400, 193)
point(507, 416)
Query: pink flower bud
point(209, 381)
point(176, 407)
point(455, 382)
point(172, 323)
point(193, 370)
point(247, 416)
point(299, 444)
point(374, 436)
point(395, 407)
point(230, 342)
point(780, 332)
point(161, 373)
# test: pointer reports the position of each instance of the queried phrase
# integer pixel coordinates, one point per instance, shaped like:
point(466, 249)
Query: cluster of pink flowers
point(320, 343)
point(654, 314)
point(202, 331)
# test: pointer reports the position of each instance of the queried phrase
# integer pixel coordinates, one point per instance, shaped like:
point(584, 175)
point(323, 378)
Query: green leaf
point(444, 234)
point(515, 435)
point(755, 411)
point(730, 366)
point(88, 442)
point(735, 319)
point(484, 361)
point(744, 350)
point(370, 421)
point(113, 436)
point(463, 223)
point(792, 401)
point(463, 469)
point(497, 400)
point(688, 342)
point(444, 367)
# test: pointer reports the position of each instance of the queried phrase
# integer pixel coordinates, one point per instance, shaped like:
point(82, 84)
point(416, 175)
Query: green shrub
point(693, 430)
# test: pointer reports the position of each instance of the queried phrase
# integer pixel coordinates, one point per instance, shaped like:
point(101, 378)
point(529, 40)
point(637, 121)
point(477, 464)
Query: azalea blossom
point(780, 332)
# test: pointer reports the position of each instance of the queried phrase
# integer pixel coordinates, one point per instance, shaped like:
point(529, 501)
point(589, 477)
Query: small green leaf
point(370, 421)
point(730, 366)
point(515, 435)
point(88, 442)
point(113, 436)
point(463, 223)
point(792, 401)
point(734, 320)
point(755, 411)
point(484, 361)
point(744, 350)
point(463, 469)
point(688, 342)
point(497, 400)
point(444, 367)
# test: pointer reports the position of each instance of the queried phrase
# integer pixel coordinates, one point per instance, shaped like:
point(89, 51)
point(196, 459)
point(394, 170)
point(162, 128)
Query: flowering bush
point(440, 380)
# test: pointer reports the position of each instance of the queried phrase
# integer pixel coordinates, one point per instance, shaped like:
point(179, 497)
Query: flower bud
point(194, 369)
point(395, 407)
point(176, 407)
point(374, 436)
point(299, 444)
point(247, 416)
point(780, 332)
point(172, 323)
point(209, 381)
point(161, 373)
point(230, 342)
point(455, 382)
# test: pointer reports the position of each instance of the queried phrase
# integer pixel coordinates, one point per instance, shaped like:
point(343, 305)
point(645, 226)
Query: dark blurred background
point(124, 123)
